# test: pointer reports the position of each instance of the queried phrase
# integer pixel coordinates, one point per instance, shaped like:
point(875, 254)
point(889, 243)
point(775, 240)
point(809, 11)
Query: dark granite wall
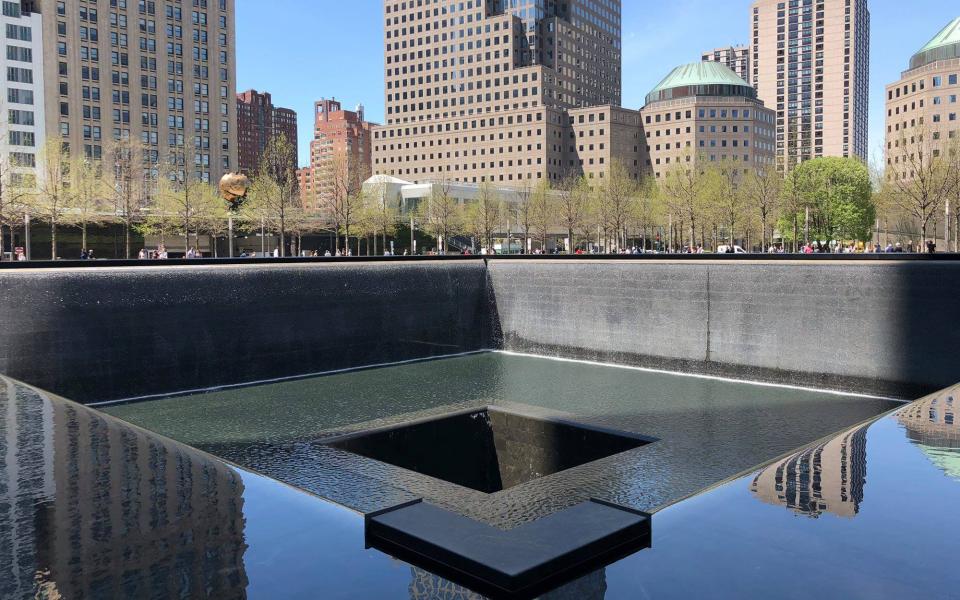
point(103, 334)
point(883, 327)
point(111, 333)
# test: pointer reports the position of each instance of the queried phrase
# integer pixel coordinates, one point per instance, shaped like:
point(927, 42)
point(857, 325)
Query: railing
point(680, 258)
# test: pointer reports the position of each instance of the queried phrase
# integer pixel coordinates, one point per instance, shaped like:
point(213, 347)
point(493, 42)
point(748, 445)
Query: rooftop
point(701, 79)
point(945, 45)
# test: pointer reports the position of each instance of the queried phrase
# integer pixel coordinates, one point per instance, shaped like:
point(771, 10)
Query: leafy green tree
point(838, 193)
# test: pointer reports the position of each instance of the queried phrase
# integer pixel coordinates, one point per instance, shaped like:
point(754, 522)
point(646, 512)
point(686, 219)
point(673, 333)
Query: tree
point(616, 202)
point(723, 198)
point(341, 196)
point(274, 195)
point(381, 212)
point(90, 194)
point(648, 209)
point(921, 176)
point(764, 187)
point(15, 189)
point(794, 204)
point(183, 197)
point(441, 214)
point(838, 193)
point(483, 216)
point(523, 213)
point(572, 201)
point(131, 185)
point(683, 189)
point(53, 200)
point(541, 213)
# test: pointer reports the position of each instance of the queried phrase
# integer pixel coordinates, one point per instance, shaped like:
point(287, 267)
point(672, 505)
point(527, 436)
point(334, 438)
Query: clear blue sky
point(303, 50)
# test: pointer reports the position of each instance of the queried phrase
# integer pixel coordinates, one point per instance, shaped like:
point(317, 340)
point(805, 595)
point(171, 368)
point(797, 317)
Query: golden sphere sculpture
point(233, 188)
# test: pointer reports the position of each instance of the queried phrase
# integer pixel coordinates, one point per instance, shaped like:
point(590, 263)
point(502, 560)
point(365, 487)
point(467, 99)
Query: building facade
point(22, 129)
point(828, 478)
point(811, 64)
point(922, 107)
point(162, 73)
point(480, 90)
point(705, 112)
point(737, 58)
point(258, 121)
point(341, 151)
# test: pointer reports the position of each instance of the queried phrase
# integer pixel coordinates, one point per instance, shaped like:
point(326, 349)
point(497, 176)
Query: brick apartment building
point(258, 121)
point(342, 141)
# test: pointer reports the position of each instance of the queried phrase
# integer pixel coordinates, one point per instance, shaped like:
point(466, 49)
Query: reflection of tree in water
point(932, 425)
point(826, 478)
point(427, 586)
point(92, 508)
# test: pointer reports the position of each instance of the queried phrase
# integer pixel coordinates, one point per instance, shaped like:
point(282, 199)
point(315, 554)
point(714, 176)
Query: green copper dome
point(944, 46)
point(701, 79)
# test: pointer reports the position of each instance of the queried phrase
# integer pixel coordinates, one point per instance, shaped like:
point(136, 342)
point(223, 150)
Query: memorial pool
point(701, 430)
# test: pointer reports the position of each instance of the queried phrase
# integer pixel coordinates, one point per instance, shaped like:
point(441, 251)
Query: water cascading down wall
point(109, 333)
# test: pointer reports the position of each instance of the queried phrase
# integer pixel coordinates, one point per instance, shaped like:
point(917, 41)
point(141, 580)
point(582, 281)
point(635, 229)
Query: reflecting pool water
point(706, 430)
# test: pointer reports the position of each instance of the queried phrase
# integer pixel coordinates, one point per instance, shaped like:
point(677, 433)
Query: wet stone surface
point(707, 430)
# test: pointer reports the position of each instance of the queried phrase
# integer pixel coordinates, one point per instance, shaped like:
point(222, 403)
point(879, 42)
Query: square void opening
point(490, 449)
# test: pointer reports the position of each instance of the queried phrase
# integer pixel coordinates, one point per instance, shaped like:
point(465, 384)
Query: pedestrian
point(142, 254)
point(931, 247)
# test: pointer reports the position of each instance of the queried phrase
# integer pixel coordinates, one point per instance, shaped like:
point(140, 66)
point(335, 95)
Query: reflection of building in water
point(427, 586)
point(826, 478)
point(92, 507)
point(932, 424)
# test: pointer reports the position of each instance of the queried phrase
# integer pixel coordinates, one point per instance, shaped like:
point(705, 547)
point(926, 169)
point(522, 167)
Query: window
point(11, 9)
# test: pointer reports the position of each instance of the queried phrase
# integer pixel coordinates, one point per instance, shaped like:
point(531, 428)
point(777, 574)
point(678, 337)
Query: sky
point(304, 50)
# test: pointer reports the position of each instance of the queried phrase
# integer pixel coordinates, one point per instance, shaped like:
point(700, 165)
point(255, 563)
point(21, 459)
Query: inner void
point(488, 450)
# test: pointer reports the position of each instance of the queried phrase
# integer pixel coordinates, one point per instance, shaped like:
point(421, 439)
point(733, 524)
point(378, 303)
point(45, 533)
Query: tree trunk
point(83, 237)
point(796, 233)
point(1, 243)
point(763, 225)
point(53, 238)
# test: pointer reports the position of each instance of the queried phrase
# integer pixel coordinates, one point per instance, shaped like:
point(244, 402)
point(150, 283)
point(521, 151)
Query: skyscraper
point(22, 103)
point(811, 63)
point(258, 121)
point(478, 90)
point(162, 72)
point(735, 57)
